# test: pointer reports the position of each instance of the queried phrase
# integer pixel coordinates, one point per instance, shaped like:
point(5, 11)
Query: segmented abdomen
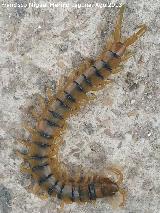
point(49, 129)
point(82, 191)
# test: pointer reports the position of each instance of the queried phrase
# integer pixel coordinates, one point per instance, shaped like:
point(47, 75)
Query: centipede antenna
point(117, 31)
point(129, 41)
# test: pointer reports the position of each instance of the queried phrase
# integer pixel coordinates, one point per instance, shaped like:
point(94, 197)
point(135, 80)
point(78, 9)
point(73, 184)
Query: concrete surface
point(120, 127)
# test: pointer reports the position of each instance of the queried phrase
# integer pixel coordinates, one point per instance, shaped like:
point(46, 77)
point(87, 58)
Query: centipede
point(41, 158)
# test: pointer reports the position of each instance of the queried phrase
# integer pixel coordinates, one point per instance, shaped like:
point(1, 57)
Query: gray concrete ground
point(121, 127)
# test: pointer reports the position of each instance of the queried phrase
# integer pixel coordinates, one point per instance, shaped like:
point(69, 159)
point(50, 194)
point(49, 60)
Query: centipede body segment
point(44, 165)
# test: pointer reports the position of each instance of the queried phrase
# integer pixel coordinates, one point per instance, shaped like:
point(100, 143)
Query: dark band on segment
point(92, 192)
point(51, 123)
point(106, 65)
point(51, 189)
point(80, 193)
point(42, 145)
point(45, 135)
point(79, 86)
point(70, 97)
point(59, 195)
point(87, 80)
point(98, 74)
point(38, 157)
point(72, 194)
point(44, 179)
point(39, 167)
point(56, 115)
point(62, 103)
point(114, 54)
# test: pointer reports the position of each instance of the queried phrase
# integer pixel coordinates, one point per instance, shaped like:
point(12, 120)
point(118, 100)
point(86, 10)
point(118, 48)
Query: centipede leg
point(92, 96)
point(116, 70)
point(64, 177)
point(49, 94)
point(25, 169)
point(61, 206)
point(28, 128)
point(101, 86)
point(32, 112)
point(123, 194)
point(127, 56)
point(36, 189)
point(21, 155)
point(85, 65)
point(118, 173)
point(25, 143)
point(35, 115)
point(78, 71)
point(60, 82)
point(41, 101)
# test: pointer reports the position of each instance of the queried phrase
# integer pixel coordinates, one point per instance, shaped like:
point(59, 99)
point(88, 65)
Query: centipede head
point(120, 46)
point(116, 43)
